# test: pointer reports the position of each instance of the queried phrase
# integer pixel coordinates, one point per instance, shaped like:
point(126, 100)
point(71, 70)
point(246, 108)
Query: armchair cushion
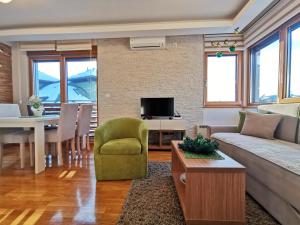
point(124, 146)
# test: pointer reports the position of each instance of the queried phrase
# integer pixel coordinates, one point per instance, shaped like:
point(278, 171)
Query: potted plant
point(200, 147)
point(36, 105)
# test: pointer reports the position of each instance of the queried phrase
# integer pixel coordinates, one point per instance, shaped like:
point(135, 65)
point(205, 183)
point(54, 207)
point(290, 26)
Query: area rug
point(154, 201)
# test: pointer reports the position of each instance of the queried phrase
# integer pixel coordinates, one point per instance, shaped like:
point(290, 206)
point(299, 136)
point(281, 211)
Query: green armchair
point(121, 149)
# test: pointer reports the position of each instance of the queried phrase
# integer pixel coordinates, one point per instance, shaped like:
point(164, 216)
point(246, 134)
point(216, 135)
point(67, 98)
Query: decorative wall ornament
point(230, 45)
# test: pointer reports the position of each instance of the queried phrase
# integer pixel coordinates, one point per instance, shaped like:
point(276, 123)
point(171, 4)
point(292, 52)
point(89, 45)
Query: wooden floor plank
point(68, 194)
point(6, 215)
point(34, 217)
point(20, 217)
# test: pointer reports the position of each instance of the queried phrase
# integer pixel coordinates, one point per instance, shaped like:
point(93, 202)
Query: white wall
point(20, 77)
point(125, 76)
point(224, 116)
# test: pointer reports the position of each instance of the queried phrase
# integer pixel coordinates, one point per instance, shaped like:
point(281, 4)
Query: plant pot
point(37, 112)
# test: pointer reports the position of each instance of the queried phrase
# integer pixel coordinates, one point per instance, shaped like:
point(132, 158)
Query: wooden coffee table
point(214, 190)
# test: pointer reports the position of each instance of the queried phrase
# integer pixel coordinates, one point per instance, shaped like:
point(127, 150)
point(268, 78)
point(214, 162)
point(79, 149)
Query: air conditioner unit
point(144, 43)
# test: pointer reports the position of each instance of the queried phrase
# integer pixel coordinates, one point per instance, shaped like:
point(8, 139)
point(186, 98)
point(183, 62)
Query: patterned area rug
point(154, 201)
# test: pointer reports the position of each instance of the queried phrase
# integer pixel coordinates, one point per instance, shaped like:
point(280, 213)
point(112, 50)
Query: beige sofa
point(273, 166)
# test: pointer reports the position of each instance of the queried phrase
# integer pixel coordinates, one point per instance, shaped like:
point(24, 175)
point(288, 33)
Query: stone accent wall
point(125, 76)
point(6, 93)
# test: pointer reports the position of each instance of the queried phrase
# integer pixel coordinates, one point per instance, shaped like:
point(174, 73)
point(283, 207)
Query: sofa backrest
point(291, 109)
point(287, 129)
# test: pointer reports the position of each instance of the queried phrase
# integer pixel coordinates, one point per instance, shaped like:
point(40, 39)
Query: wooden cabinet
point(162, 132)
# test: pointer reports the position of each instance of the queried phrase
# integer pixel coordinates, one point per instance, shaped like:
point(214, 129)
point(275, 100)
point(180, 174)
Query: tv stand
point(163, 131)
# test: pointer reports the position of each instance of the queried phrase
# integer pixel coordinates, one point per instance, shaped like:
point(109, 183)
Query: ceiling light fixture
point(5, 1)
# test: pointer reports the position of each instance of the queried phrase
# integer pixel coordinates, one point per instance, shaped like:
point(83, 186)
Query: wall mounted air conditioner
point(145, 43)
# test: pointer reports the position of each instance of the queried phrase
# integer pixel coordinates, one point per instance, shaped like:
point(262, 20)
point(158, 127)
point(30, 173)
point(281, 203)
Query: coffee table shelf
point(214, 190)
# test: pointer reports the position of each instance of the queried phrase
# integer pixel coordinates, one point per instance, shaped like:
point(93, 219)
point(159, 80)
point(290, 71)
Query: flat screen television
point(157, 107)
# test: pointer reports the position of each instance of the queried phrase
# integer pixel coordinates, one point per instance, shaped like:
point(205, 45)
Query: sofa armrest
point(220, 129)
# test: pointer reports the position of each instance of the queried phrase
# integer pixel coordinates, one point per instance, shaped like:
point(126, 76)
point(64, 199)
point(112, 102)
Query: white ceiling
point(44, 19)
point(27, 13)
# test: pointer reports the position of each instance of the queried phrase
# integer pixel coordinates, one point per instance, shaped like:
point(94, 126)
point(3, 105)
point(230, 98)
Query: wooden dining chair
point(83, 127)
point(13, 135)
point(64, 132)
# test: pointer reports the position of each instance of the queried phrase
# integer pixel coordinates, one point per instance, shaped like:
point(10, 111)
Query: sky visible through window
point(81, 75)
point(54, 71)
point(221, 79)
point(295, 64)
point(268, 64)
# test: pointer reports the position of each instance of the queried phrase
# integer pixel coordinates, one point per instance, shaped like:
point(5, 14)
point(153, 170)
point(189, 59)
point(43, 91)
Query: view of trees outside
point(221, 78)
point(294, 89)
point(81, 80)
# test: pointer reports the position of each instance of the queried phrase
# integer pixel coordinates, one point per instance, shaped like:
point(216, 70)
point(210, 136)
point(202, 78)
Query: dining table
point(38, 123)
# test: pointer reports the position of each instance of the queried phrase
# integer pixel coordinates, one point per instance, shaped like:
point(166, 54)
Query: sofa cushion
point(287, 129)
point(269, 175)
point(281, 153)
point(260, 125)
point(124, 146)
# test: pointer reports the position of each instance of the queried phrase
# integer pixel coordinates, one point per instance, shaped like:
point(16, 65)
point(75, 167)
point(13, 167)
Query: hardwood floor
point(62, 195)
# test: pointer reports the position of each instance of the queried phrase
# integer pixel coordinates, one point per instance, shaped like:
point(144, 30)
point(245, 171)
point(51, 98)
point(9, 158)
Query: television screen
point(157, 107)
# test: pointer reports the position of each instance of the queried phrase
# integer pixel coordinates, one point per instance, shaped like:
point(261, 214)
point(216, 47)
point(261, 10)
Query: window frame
point(287, 85)
point(62, 57)
point(78, 59)
point(283, 63)
point(31, 71)
point(238, 82)
point(254, 48)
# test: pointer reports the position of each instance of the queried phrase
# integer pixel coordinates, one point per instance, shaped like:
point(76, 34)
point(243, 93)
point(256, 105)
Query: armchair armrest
point(143, 135)
point(99, 139)
point(221, 129)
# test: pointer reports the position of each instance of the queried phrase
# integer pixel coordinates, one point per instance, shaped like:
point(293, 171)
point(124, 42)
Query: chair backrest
point(67, 121)
point(9, 110)
point(84, 119)
point(122, 128)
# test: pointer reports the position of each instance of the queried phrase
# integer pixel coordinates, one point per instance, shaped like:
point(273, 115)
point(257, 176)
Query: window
point(274, 66)
point(223, 80)
point(265, 71)
point(57, 78)
point(82, 80)
point(293, 69)
point(46, 76)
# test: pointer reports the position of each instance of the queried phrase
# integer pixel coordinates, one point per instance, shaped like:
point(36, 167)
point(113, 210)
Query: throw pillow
point(241, 121)
point(260, 125)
